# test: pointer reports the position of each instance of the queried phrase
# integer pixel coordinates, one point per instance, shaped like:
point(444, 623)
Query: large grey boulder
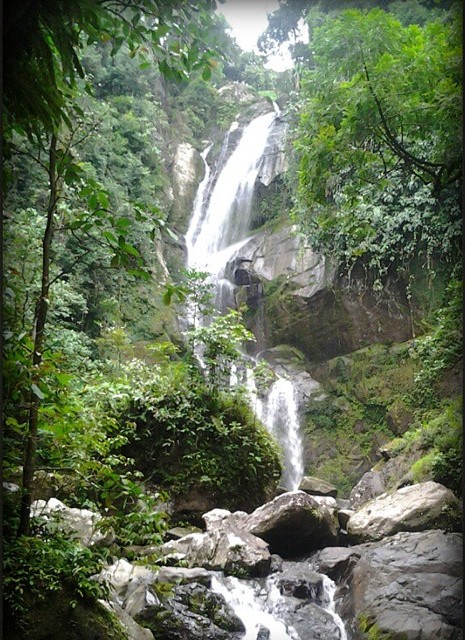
point(83, 524)
point(130, 585)
point(133, 630)
point(294, 523)
point(317, 487)
point(304, 605)
point(336, 562)
point(409, 586)
point(194, 612)
point(298, 580)
point(427, 505)
point(313, 622)
point(370, 485)
point(223, 519)
point(272, 254)
point(233, 551)
point(183, 575)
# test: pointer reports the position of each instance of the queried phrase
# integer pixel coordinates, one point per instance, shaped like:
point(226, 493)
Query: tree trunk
point(40, 320)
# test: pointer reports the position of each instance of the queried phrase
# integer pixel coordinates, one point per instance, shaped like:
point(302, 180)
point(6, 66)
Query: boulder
point(130, 585)
point(232, 551)
point(82, 523)
point(298, 580)
point(427, 505)
point(336, 562)
point(409, 586)
point(317, 487)
point(370, 485)
point(313, 525)
point(194, 612)
point(223, 519)
point(178, 532)
point(263, 633)
point(312, 622)
point(133, 630)
point(182, 575)
point(10, 487)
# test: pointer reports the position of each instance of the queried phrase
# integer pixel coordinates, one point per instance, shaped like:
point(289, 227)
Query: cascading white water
point(329, 589)
point(264, 606)
point(218, 228)
point(254, 611)
point(281, 417)
point(198, 205)
point(226, 218)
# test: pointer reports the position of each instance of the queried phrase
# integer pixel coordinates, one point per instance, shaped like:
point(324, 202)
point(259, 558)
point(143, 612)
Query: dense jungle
point(232, 328)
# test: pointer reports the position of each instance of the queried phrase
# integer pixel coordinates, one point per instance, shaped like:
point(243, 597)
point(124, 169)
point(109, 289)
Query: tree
point(43, 73)
point(379, 139)
point(382, 96)
point(43, 41)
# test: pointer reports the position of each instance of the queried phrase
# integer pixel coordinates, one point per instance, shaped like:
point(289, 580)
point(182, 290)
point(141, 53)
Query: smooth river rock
point(294, 523)
point(83, 524)
point(317, 487)
point(235, 552)
point(192, 612)
point(427, 505)
point(370, 485)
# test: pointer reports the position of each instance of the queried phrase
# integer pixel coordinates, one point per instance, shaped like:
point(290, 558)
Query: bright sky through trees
point(248, 20)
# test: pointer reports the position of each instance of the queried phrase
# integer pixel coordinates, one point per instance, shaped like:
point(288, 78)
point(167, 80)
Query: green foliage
point(35, 567)
point(193, 436)
point(442, 438)
point(221, 341)
point(43, 60)
point(442, 348)
point(377, 141)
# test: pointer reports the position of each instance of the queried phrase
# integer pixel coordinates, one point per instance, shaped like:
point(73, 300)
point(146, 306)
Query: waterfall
point(261, 605)
point(329, 589)
point(255, 607)
point(218, 228)
point(280, 416)
point(226, 217)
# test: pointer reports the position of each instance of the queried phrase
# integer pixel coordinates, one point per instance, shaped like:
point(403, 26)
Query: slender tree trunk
point(40, 320)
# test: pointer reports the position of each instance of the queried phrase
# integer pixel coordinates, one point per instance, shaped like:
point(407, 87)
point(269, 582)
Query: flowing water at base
point(254, 606)
point(260, 604)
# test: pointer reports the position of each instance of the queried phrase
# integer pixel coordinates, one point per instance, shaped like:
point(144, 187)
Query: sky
point(248, 20)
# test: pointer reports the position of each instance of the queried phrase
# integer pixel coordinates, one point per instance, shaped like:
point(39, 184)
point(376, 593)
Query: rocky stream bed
point(300, 567)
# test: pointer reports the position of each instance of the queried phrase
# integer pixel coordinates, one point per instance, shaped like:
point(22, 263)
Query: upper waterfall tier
point(224, 219)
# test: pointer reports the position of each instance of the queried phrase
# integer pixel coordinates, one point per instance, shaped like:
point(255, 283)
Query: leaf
point(145, 65)
point(35, 389)
point(128, 248)
point(63, 378)
point(171, 233)
point(206, 73)
point(167, 296)
point(103, 199)
point(109, 236)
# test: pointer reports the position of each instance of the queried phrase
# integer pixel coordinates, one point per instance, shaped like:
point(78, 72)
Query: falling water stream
point(218, 228)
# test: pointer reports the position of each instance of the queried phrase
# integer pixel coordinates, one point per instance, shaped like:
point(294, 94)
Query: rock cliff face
point(308, 319)
point(274, 161)
point(187, 172)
